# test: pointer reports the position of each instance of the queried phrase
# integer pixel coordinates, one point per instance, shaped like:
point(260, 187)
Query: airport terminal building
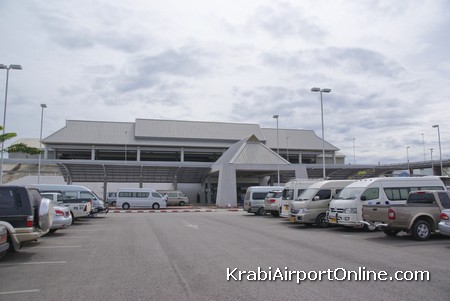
point(212, 162)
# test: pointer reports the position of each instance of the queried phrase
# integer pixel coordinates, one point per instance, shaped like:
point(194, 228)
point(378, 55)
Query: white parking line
point(56, 247)
point(31, 263)
point(20, 292)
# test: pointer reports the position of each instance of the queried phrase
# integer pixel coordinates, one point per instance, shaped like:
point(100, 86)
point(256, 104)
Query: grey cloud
point(281, 20)
point(349, 60)
point(149, 71)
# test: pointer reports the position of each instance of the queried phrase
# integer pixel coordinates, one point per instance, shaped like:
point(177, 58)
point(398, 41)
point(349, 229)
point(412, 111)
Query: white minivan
point(291, 191)
point(311, 206)
point(254, 198)
point(346, 209)
point(140, 198)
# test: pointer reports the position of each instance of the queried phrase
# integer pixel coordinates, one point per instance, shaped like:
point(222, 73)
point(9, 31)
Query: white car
point(272, 202)
point(61, 217)
point(444, 224)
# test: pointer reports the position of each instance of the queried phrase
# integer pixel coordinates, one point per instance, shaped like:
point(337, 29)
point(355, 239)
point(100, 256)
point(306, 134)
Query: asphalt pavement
point(190, 255)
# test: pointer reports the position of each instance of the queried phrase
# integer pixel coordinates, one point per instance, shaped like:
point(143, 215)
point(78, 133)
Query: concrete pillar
point(226, 187)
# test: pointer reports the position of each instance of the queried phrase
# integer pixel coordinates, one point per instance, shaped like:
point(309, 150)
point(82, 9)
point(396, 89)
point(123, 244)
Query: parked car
point(4, 245)
point(419, 216)
point(77, 207)
point(444, 224)
point(75, 192)
point(111, 198)
point(312, 204)
point(25, 214)
point(61, 217)
point(272, 202)
point(140, 198)
point(254, 198)
point(175, 197)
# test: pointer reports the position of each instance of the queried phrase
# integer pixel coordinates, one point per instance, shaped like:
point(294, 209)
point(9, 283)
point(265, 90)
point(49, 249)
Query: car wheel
point(261, 211)
point(113, 204)
point(322, 221)
point(126, 206)
point(421, 230)
point(155, 206)
point(73, 218)
point(390, 232)
point(181, 203)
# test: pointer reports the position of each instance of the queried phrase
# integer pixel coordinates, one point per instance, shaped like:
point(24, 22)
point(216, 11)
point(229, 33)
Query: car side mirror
point(363, 198)
point(316, 198)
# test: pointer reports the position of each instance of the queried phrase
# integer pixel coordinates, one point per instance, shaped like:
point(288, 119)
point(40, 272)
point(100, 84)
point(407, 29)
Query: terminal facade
point(212, 162)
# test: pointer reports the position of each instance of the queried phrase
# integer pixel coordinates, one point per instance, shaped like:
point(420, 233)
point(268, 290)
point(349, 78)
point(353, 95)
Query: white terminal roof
point(156, 132)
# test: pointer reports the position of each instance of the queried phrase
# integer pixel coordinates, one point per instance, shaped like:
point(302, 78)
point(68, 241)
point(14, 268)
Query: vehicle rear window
point(7, 199)
point(421, 198)
point(445, 199)
point(259, 195)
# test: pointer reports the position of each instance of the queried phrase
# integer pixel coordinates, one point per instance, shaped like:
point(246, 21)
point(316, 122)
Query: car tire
point(322, 221)
point(155, 206)
point(390, 232)
point(52, 230)
point(113, 204)
point(126, 206)
point(261, 211)
point(181, 203)
point(421, 230)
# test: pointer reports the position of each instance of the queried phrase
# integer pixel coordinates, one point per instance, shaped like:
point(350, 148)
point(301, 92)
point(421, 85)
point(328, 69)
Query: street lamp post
point(354, 153)
point(440, 149)
point(278, 151)
point(407, 160)
point(423, 143)
point(287, 148)
point(325, 90)
point(432, 166)
point(43, 106)
point(14, 67)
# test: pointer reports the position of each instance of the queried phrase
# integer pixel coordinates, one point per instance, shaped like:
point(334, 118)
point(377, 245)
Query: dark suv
point(24, 213)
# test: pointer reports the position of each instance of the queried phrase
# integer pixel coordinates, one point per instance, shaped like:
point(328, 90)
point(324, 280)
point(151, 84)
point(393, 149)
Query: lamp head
point(43, 105)
point(325, 90)
point(276, 116)
point(436, 126)
point(15, 67)
point(315, 89)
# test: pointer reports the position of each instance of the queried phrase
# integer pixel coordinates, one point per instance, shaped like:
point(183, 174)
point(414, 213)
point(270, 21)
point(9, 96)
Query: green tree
point(18, 147)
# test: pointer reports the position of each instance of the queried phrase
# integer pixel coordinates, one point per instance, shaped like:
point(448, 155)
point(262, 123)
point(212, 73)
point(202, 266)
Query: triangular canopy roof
point(250, 151)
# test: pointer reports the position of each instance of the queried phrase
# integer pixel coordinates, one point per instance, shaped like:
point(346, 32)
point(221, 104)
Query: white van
point(311, 206)
point(254, 198)
point(291, 191)
point(140, 198)
point(74, 192)
point(175, 197)
point(346, 209)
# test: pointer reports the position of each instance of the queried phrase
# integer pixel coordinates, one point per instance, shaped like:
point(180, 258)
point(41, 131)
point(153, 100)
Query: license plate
point(286, 207)
point(332, 220)
point(292, 219)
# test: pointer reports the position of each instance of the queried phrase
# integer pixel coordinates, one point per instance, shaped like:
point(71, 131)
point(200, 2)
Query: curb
point(175, 210)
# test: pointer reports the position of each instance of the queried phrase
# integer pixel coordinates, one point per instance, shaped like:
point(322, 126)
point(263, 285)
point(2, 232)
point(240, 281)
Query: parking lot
point(185, 256)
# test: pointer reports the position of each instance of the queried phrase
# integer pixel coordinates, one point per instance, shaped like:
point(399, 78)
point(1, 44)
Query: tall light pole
point(287, 148)
point(440, 149)
point(354, 153)
point(278, 151)
point(432, 167)
point(407, 160)
point(43, 106)
point(423, 143)
point(14, 67)
point(126, 142)
point(325, 90)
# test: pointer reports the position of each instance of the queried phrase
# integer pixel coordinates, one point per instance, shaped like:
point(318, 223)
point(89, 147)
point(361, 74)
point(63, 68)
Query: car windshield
point(349, 193)
point(307, 194)
point(288, 194)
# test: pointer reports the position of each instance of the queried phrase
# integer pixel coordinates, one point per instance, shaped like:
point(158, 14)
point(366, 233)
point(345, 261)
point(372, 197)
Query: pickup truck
point(78, 207)
point(418, 217)
point(24, 214)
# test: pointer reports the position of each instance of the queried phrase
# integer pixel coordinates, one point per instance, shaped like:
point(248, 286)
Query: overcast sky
point(386, 62)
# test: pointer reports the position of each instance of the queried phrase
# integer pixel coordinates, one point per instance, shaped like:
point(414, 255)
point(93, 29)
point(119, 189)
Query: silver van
point(254, 198)
point(175, 197)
